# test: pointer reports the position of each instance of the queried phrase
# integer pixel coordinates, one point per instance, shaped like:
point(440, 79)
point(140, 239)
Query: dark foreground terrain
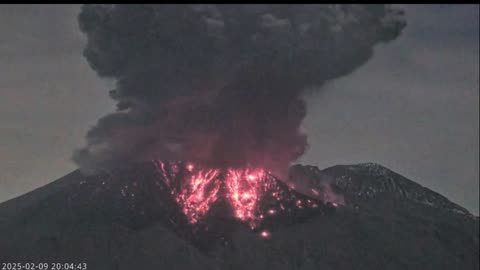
point(127, 220)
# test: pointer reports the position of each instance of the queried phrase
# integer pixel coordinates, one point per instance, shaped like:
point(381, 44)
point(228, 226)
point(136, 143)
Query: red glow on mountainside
point(195, 190)
point(244, 190)
point(199, 193)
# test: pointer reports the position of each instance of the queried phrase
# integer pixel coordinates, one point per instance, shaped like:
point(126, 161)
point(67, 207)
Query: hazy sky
point(413, 108)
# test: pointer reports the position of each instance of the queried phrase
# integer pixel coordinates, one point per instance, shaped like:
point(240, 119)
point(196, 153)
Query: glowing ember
point(265, 234)
point(299, 204)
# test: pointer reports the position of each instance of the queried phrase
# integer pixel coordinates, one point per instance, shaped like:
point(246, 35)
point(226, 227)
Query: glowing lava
point(196, 189)
point(244, 190)
point(199, 193)
point(196, 193)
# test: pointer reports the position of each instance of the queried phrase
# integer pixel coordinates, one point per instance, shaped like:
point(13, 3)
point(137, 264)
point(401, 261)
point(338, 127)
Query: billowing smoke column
point(219, 85)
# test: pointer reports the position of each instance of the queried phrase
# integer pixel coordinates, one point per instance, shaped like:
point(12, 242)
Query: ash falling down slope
point(355, 217)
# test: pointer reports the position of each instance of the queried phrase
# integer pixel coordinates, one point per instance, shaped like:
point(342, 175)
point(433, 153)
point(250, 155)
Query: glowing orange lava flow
point(244, 190)
point(196, 193)
point(196, 189)
point(199, 193)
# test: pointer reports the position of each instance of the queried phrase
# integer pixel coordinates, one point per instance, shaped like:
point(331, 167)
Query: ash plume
point(219, 85)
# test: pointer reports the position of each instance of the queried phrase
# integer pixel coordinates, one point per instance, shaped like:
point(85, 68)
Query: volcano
point(173, 215)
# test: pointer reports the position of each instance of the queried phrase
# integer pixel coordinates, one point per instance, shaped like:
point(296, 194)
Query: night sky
point(412, 108)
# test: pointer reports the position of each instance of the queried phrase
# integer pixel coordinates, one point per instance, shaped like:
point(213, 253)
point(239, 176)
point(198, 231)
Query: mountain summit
point(361, 216)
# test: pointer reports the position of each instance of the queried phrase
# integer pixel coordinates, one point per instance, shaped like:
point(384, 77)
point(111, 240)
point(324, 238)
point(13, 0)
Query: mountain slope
point(386, 222)
point(368, 182)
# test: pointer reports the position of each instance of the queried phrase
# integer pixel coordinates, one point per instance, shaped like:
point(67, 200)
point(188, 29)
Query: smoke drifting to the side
point(219, 85)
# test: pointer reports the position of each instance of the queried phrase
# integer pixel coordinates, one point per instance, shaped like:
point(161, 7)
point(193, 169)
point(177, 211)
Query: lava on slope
point(204, 206)
point(127, 219)
point(253, 195)
point(216, 201)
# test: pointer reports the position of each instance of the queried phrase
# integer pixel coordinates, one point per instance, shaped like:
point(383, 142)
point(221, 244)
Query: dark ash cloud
point(219, 85)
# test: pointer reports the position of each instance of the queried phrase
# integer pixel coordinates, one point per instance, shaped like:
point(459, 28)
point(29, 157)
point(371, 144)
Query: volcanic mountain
point(170, 215)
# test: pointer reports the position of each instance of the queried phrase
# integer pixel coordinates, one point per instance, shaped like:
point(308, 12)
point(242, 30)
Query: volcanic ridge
point(173, 214)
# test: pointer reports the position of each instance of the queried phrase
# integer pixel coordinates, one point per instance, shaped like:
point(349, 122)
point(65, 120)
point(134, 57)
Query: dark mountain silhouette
point(128, 220)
